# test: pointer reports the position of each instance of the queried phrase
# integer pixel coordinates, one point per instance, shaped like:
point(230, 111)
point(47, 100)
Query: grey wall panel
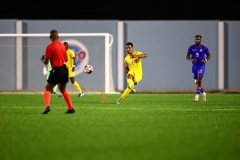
point(166, 43)
point(233, 54)
point(7, 60)
point(7, 26)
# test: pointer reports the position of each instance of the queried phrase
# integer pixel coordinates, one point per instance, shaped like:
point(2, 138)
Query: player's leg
point(130, 81)
point(124, 95)
point(195, 81)
point(67, 98)
point(136, 79)
point(201, 75)
point(204, 94)
point(195, 73)
point(198, 89)
point(202, 91)
point(51, 82)
point(77, 86)
point(71, 75)
point(130, 87)
point(204, 98)
point(47, 97)
point(195, 77)
point(62, 88)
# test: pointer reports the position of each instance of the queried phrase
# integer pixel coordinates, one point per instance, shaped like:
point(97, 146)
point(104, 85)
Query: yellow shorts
point(137, 76)
point(71, 73)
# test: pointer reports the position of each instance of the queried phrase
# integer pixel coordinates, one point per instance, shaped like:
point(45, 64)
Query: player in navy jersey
point(198, 54)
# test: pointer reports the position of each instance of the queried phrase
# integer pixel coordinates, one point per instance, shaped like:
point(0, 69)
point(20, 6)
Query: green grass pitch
point(143, 127)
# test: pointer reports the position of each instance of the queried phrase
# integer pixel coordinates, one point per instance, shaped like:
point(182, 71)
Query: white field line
point(124, 108)
point(32, 93)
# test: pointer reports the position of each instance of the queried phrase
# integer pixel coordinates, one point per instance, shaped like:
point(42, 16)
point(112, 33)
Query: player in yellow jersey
point(133, 66)
point(71, 69)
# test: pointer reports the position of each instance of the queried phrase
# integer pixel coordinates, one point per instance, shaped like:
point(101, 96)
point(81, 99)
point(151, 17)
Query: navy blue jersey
point(198, 53)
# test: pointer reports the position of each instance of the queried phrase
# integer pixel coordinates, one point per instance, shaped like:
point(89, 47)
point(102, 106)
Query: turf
point(143, 127)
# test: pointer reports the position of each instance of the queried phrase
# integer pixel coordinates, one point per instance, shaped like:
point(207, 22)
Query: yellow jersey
point(134, 64)
point(70, 56)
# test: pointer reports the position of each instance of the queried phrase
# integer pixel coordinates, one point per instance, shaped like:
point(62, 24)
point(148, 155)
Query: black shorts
point(58, 75)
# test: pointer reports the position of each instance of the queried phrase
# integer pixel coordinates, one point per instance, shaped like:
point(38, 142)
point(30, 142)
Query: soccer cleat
point(80, 94)
point(46, 110)
point(133, 90)
point(195, 100)
point(119, 101)
point(204, 99)
point(70, 111)
point(60, 96)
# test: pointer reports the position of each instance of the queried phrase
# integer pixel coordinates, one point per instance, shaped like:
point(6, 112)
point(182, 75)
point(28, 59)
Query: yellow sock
point(125, 93)
point(77, 86)
point(130, 83)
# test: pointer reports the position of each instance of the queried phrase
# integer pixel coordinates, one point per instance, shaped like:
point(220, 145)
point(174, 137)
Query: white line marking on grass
point(166, 109)
point(125, 108)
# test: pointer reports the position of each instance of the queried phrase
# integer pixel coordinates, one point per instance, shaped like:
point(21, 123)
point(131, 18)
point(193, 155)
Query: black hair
point(198, 35)
point(54, 34)
point(129, 43)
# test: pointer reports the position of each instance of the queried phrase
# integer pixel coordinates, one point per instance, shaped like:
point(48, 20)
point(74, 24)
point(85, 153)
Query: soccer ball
point(88, 69)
